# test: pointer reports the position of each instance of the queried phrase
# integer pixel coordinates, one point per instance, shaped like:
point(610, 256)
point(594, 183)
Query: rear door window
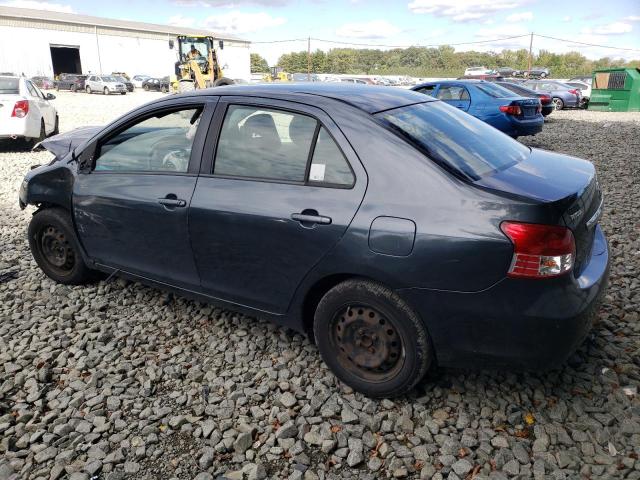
point(452, 92)
point(270, 144)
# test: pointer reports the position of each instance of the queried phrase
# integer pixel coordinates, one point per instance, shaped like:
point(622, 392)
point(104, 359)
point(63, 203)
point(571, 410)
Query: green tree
point(258, 64)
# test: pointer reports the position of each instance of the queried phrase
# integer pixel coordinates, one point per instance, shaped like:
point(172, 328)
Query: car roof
point(369, 98)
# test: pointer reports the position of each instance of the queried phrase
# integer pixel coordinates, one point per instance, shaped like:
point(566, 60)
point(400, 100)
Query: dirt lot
point(119, 380)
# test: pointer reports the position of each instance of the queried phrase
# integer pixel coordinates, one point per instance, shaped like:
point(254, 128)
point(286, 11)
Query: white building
point(37, 42)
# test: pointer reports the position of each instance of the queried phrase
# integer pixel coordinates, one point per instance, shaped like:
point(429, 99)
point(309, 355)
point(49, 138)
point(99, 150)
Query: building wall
point(25, 49)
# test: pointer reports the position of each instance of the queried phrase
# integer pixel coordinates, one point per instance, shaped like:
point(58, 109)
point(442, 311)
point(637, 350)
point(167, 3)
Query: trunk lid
point(528, 106)
point(569, 183)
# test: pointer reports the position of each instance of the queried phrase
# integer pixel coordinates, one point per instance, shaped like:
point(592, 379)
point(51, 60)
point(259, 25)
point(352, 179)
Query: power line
point(587, 44)
point(416, 45)
point(284, 41)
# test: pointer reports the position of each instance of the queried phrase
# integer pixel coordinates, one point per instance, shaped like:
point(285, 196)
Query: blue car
point(397, 231)
point(508, 112)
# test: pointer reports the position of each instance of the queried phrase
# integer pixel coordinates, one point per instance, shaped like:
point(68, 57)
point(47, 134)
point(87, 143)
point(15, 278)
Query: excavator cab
point(197, 66)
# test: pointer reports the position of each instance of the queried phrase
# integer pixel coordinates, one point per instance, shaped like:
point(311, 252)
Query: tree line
point(432, 62)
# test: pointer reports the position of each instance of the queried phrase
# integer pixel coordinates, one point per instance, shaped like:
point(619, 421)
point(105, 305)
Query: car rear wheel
point(55, 248)
point(371, 339)
point(146, 88)
point(73, 88)
point(558, 103)
point(88, 89)
point(56, 126)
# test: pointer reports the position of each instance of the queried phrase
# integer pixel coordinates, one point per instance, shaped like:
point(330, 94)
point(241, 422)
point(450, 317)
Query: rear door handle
point(310, 218)
point(172, 202)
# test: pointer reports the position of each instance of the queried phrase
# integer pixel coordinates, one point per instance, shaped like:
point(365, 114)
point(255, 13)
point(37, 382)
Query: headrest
point(259, 131)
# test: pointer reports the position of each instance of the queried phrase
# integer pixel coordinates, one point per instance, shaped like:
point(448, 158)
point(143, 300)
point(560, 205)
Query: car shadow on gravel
point(15, 146)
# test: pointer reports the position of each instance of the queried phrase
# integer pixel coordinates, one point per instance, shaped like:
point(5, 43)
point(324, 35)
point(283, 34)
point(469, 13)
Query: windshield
point(9, 85)
point(455, 139)
point(109, 79)
point(120, 79)
point(494, 90)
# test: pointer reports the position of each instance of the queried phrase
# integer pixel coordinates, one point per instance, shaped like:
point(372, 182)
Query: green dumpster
point(615, 90)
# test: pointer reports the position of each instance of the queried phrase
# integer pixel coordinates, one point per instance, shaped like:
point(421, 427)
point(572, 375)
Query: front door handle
point(172, 202)
point(310, 217)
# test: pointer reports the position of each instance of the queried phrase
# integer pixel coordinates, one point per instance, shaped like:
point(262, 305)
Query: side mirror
point(50, 96)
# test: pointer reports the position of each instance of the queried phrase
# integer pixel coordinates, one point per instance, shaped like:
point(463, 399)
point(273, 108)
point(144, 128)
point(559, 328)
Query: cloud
point(237, 22)
point(231, 3)
point(180, 21)
point(372, 29)
point(615, 28)
point(520, 17)
point(633, 18)
point(36, 5)
point(461, 10)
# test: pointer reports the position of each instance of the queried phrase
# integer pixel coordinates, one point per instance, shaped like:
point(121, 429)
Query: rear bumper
point(521, 324)
point(523, 128)
point(19, 127)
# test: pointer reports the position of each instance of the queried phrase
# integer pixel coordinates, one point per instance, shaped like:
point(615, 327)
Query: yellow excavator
point(198, 66)
point(276, 74)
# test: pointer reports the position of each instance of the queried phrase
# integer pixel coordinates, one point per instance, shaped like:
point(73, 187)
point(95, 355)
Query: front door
point(131, 209)
point(283, 188)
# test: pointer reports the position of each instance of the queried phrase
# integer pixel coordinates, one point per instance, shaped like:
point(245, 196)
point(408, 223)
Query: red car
point(44, 83)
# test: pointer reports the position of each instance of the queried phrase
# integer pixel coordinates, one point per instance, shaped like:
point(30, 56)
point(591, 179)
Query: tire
point(221, 82)
point(163, 89)
point(558, 103)
point(146, 88)
point(73, 89)
point(123, 93)
point(57, 88)
point(371, 339)
point(88, 89)
point(55, 248)
point(56, 127)
point(105, 91)
point(42, 136)
point(542, 75)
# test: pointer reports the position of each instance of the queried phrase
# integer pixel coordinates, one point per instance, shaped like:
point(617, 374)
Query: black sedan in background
point(156, 84)
point(396, 229)
point(127, 83)
point(545, 98)
point(71, 81)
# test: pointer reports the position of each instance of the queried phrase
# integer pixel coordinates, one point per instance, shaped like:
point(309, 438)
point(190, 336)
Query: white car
point(25, 112)
point(138, 79)
point(477, 71)
point(105, 84)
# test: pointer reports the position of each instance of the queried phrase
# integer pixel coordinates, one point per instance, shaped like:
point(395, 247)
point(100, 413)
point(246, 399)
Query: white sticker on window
point(317, 172)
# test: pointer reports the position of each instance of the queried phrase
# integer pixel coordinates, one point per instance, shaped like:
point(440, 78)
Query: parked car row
point(105, 84)
point(25, 112)
point(535, 72)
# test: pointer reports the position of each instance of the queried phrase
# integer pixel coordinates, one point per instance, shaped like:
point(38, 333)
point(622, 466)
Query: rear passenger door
point(279, 186)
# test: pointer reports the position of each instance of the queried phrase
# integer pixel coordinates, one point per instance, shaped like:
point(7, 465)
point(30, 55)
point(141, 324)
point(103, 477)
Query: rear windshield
point(454, 139)
point(518, 89)
point(495, 90)
point(9, 85)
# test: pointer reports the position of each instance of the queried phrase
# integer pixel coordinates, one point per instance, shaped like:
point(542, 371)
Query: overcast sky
point(388, 22)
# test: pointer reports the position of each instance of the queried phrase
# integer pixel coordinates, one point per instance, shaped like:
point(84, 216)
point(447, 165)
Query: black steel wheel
point(54, 247)
point(371, 339)
point(367, 343)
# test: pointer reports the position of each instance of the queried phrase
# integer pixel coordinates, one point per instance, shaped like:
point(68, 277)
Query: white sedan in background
point(138, 79)
point(25, 112)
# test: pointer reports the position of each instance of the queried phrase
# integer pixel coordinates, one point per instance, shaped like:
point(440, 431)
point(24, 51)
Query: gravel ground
point(117, 380)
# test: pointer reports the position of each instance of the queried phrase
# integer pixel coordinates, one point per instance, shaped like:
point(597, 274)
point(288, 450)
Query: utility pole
point(308, 59)
point(530, 48)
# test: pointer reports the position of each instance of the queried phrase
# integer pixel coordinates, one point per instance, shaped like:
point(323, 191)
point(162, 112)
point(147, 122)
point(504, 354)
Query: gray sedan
point(395, 229)
point(563, 95)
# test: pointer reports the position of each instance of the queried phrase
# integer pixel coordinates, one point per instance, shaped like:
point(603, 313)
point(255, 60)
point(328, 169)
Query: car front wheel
point(105, 91)
point(54, 247)
point(371, 339)
point(88, 89)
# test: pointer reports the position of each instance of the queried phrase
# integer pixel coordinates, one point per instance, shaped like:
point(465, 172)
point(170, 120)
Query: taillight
point(574, 91)
point(20, 109)
point(511, 109)
point(545, 99)
point(539, 251)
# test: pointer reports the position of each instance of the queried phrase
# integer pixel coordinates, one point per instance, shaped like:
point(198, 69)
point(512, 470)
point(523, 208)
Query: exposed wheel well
point(316, 292)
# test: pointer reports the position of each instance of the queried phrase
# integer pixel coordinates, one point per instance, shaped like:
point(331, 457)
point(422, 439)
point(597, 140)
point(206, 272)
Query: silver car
point(105, 84)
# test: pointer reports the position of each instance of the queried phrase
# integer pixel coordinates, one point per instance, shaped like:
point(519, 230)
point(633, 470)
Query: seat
point(260, 133)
